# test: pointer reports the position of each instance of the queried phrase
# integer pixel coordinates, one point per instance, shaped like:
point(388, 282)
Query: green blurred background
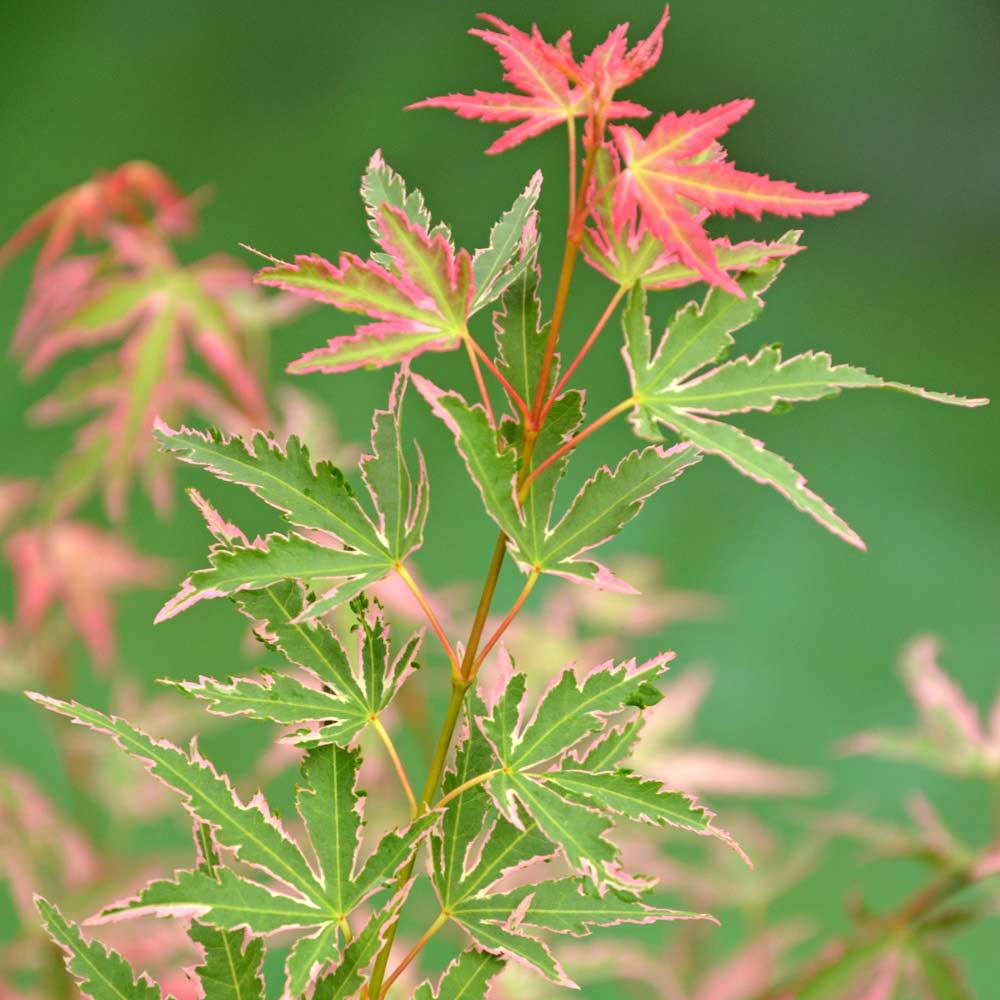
point(277, 108)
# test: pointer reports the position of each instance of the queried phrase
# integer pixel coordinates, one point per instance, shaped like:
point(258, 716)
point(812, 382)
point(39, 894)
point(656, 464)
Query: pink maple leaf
point(949, 734)
point(159, 311)
point(77, 567)
point(419, 300)
point(15, 495)
point(617, 242)
point(678, 171)
point(551, 87)
point(135, 193)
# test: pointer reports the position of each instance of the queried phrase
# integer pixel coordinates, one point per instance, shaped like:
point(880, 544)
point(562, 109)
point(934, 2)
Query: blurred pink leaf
point(137, 193)
point(77, 567)
point(949, 735)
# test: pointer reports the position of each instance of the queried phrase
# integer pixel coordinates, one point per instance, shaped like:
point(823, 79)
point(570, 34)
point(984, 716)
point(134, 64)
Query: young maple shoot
point(520, 785)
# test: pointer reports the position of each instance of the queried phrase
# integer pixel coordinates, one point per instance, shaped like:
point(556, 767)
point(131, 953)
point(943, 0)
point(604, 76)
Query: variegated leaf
point(572, 709)
point(520, 334)
point(250, 830)
point(672, 387)
point(381, 185)
point(231, 969)
point(467, 978)
point(99, 973)
point(536, 775)
point(605, 505)
point(347, 549)
point(307, 959)
point(463, 884)
point(347, 977)
point(673, 173)
point(339, 700)
point(417, 289)
point(565, 906)
point(511, 251)
point(541, 73)
point(301, 896)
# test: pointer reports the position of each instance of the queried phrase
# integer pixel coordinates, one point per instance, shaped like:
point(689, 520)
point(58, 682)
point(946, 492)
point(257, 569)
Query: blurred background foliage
point(277, 108)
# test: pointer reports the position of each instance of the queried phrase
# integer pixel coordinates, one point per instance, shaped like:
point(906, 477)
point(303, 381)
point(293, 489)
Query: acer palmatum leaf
point(419, 304)
point(949, 735)
point(77, 567)
point(621, 247)
point(162, 314)
point(342, 549)
point(551, 87)
point(136, 193)
point(101, 974)
point(673, 172)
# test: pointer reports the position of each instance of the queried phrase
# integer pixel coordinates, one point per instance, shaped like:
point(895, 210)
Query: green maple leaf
point(467, 978)
point(542, 765)
point(684, 385)
point(342, 548)
point(231, 969)
point(100, 974)
point(607, 502)
point(341, 700)
point(285, 891)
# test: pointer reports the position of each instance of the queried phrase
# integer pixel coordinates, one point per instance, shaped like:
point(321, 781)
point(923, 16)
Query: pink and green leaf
point(100, 974)
point(673, 174)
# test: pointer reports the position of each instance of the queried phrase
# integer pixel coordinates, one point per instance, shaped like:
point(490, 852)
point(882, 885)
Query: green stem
point(452, 714)
point(463, 678)
point(439, 922)
point(479, 779)
point(483, 609)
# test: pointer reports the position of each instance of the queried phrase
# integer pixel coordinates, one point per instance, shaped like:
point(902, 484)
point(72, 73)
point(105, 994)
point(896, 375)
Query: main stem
point(463, 678)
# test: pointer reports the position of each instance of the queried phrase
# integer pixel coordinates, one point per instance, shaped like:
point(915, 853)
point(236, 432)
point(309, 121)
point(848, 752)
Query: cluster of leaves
point(524, 820)
point(120, 330)
point(107, 277)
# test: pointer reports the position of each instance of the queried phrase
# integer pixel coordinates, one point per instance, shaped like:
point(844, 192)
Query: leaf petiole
point(432, 619)
point(440, 921)
point(605, 418)
point(503, 626)
point(397, 764)
point(587, 345)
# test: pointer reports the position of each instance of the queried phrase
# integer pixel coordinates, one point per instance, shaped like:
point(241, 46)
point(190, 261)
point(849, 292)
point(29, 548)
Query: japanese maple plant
point(514, 824)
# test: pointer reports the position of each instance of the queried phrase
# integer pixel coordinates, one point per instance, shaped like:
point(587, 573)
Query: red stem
point(476, 371)
point(505, 624)
point(515, 396)
point(587, 345)
point(575, 440)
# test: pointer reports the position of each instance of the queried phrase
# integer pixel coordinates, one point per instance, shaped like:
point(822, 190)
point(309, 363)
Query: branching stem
point(573, 442)
point(479, 779)
point(505, 624)
point(584, 350)
point(515, 396)
point(470, 346)
point(463, 675)
point(572, 249)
